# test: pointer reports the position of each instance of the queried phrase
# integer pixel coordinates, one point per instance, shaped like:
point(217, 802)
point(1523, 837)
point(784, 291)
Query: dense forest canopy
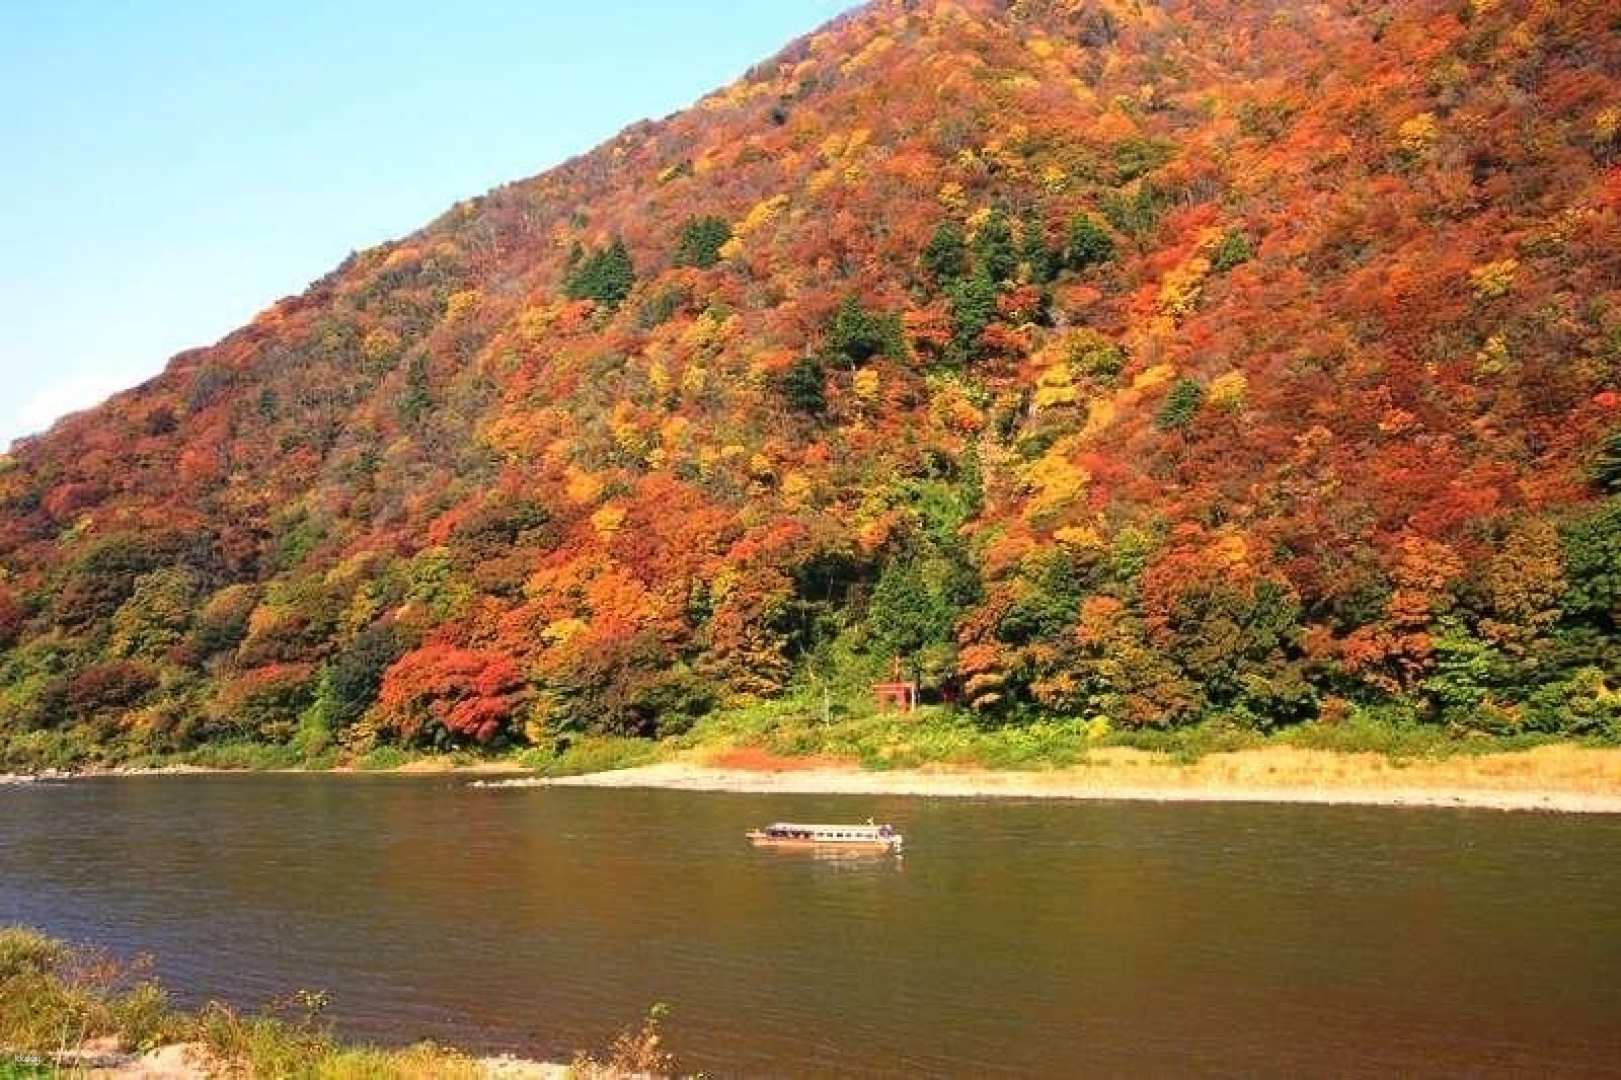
point(1146, 361)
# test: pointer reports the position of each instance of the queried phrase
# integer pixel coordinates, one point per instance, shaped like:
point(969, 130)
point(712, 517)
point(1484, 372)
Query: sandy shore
point(1553, 779)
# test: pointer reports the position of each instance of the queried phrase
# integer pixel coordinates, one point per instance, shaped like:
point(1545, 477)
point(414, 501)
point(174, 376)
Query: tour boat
point(869, 837)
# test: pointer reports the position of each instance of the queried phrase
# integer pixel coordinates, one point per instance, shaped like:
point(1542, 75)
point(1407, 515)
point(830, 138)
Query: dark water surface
point(1015, 938)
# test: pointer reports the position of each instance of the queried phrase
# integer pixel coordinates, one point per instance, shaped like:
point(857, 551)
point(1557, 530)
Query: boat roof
point(824, 828)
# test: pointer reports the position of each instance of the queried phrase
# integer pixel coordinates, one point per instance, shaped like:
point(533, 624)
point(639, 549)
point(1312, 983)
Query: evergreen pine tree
point(993, 248)
point(946, 253)
point(605, 275)
point(803, 386)
point(1088, 244)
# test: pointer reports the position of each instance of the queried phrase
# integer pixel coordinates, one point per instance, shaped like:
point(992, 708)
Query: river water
point(1014, 938)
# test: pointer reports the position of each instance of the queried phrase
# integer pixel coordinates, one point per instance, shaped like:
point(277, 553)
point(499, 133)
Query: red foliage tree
point(471, 695)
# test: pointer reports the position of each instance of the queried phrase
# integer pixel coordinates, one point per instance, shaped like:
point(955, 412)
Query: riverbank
point(1559, 779)
point(780, 747)
point(73, 1011)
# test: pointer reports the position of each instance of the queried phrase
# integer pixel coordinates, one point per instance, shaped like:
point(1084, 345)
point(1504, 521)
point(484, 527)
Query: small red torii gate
point(899, 694)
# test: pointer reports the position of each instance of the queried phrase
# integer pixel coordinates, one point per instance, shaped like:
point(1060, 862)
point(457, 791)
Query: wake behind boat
point(868, 837)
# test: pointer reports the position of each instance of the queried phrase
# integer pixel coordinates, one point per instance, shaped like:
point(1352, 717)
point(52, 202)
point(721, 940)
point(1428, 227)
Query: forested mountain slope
point(1155, 361)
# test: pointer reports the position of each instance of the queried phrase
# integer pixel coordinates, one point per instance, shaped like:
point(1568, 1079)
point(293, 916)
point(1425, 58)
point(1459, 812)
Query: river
point(1013, 938)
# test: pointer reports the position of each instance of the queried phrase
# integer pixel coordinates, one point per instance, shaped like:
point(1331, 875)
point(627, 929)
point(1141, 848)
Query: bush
point(1234, 250)
point(915, 605)
point(1181, 405)
point(62, 749)
point(53, 997)
point(1582, 705)
point(244, 756)
point(12, 617)
point(670, 701)
point(598, 753)
point(56, 999)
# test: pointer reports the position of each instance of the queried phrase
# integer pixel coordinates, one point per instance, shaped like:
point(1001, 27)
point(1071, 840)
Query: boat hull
point(760, 839)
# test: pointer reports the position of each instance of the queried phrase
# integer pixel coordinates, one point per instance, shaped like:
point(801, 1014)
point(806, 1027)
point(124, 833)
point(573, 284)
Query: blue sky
point(172, 167)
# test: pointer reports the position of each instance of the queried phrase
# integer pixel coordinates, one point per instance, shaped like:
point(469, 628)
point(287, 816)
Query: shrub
point(158, 614)
point(415, 402)
point(1094, 356)
point(1466, 669)
point(1234, 250)
point(1181, 405)
point(633, 1053)
point(103, 577)
point(914, 605)
point(1137, 156)
point(670, 701)
point(1584, 704)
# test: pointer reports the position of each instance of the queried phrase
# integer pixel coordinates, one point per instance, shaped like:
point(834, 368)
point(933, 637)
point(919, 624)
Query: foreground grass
point(56, 1001)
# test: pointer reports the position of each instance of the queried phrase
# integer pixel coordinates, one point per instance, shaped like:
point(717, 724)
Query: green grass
point(795, 726)
point(936, 735)
point(55, 998)
point(883, 740)
point(594, 754)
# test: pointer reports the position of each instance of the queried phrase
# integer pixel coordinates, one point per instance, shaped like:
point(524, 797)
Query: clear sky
point(170, 168)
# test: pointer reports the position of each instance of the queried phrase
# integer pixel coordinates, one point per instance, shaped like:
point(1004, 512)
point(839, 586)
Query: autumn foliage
point(456, 692)
point(1157, 362)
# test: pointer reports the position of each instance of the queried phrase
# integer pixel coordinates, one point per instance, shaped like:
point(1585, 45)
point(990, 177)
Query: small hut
point(898, 694)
